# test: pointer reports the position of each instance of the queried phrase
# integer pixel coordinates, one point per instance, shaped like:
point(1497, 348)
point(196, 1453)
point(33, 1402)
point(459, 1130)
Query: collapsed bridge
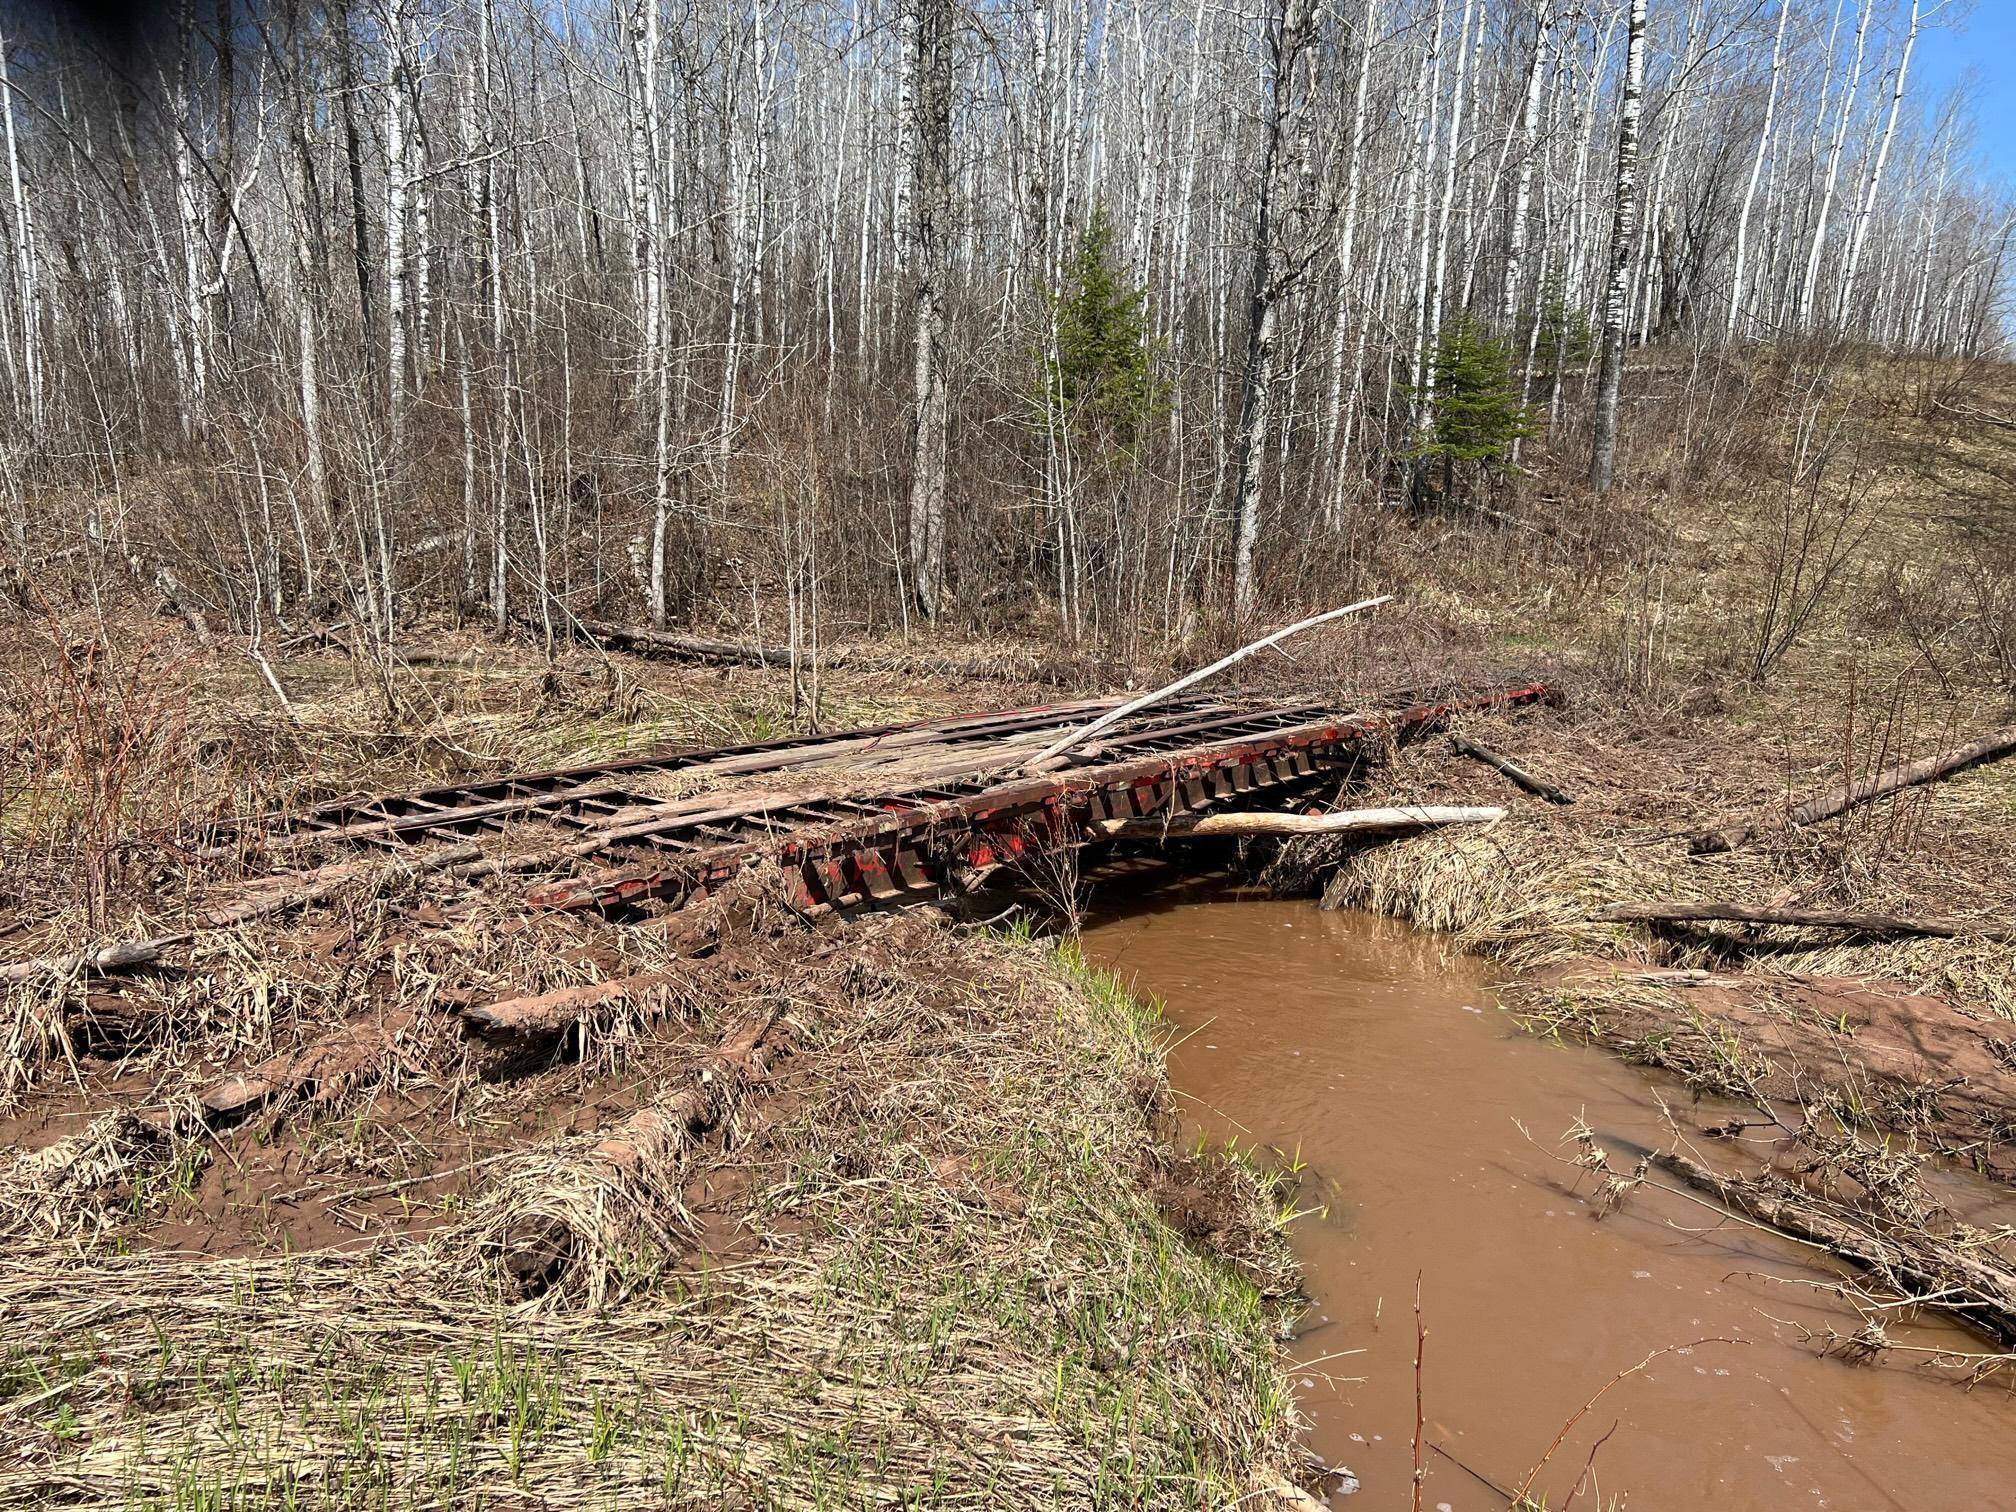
point(865, 815)
point(851, 818)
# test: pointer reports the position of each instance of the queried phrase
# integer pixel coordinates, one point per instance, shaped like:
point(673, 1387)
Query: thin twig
point(1583, 1411)
point(1420, 1413)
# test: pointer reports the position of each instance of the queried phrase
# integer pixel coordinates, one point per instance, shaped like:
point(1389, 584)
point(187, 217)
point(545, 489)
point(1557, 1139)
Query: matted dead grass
point(1523, 891)
point(920, 1257)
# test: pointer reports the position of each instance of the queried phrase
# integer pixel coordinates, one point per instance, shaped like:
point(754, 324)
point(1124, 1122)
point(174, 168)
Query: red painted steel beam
point(986, 826)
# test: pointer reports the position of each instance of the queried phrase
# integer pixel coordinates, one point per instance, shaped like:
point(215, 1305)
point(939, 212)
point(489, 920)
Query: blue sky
point(1976, 48)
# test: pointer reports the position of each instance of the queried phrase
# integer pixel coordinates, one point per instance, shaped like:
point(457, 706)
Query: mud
point(1894, 1061)
point(1390, 1076)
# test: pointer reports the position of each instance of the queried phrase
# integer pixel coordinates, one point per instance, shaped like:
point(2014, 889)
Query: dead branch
point(1366, 821)
point(120, 955)
point(1526, 1485)
point(330, 881)
point(648, 1138)
point(1993, 746)
point(1976, 1292)
point(1046, 760)
point(273, 681)
point(690, 647)
point(553, 1012)
point(614, 1193)
point(1420, 1406)
point(1880, 925)
point(324, 1070)
point(1519, 776)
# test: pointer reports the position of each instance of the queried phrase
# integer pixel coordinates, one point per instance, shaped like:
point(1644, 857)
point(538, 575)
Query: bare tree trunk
point(1287, 31)
point(399, 179)
point(190, 211)
point(1843, 305)
point(930, 229)
point(1337, 439)
point(1452, 157)
point(1810, 285)
point(27, 286)
point(1522, 199)
point(1736, 290)
point(1623, 240)
point(1914, 330)
point(308, 337)
point(353, 155)
point(647, 214)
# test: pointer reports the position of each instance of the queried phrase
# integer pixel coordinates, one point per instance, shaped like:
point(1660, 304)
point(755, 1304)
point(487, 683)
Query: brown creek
point(1383, 1063)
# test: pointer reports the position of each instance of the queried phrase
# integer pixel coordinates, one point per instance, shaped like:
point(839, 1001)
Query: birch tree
point(1287, 32)
point(27, 288)
point(930, 136)
point(1858, 238)
point(451, 307)
point(1623, 233)
point(1736, 286)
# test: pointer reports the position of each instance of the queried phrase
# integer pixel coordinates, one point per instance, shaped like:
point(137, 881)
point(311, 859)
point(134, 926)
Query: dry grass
point(1522, 891)
point(921, 1264)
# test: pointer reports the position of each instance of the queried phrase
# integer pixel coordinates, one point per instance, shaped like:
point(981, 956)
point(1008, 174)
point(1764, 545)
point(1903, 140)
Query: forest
point(1123, 754)
point(1107, 322)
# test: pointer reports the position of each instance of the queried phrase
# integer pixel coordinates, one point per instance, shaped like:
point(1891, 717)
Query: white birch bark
point(1452, 155)
point(1285, 40)
point(27, 286)
point(1914, 332)
point(1737, 314)
point(1803, 317)
point(1623, 234)
point(1336, 441)
point(930, 136)
point(1522, 198)
point(647, 215)
point(1859, 237)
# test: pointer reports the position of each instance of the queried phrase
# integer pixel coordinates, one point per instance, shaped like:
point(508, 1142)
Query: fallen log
point(1518, 775)
point(694, 647)
point(625, 1187)
point(652, 1136)
point(1012, 665)
point(1975, 1292)
point(1881, 925)
point(123, 955)
point(548, 1013)
point(1367, 821)
point(120, 955)
point(324, 1070)
point(1993, 746)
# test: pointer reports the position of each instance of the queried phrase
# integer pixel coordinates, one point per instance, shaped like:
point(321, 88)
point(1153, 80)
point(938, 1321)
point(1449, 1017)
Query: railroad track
point(851, 817)
point(869, 814)
point(838, 852)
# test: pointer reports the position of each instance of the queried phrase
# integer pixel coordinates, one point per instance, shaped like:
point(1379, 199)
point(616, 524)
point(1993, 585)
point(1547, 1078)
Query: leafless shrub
point(1987, 587)
point(1809, 530)
point(95, 732)
point(1048, 865)
point(1875, 734)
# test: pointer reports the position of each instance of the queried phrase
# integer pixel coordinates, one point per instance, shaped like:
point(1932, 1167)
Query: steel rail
point(838, 859)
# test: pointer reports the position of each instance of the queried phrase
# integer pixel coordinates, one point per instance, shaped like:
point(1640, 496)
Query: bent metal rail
point(838, 852)
point(891, 834)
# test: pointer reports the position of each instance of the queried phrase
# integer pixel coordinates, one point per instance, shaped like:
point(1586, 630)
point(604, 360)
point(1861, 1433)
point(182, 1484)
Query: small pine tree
point(1100, 370)
point(1476, 411)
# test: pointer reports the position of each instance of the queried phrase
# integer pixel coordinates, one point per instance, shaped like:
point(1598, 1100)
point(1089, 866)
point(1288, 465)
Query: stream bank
point(1383, 1067)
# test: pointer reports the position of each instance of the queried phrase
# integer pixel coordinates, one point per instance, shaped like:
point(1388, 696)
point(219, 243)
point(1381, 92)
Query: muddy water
point(1388, 1068)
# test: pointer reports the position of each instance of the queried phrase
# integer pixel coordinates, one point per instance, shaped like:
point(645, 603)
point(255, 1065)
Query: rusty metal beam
point(993, 823)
